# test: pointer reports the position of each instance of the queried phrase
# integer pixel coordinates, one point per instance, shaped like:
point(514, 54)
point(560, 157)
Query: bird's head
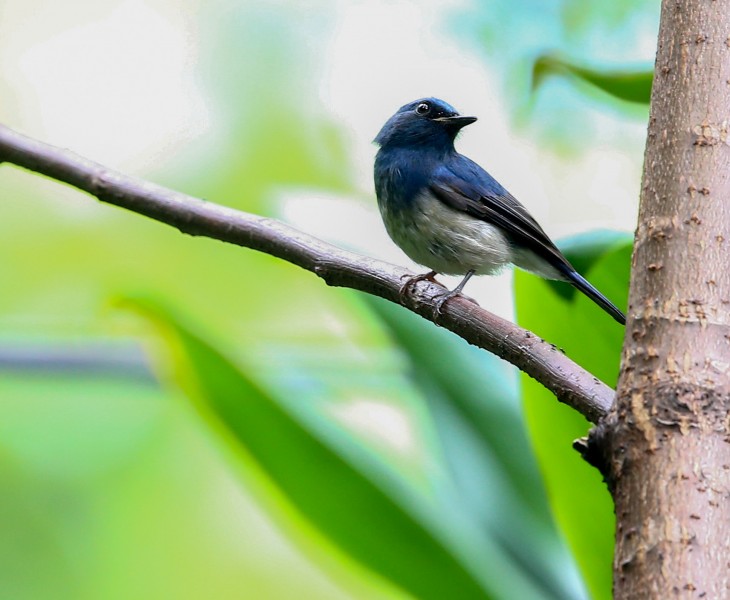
point(426, 122)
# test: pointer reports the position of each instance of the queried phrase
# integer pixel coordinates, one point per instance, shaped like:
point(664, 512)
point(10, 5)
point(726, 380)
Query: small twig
point(570, 383)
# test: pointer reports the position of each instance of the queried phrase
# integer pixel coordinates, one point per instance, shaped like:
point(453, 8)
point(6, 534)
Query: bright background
point(110, 484)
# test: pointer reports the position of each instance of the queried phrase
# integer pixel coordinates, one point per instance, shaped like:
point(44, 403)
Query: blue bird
point(448, 214)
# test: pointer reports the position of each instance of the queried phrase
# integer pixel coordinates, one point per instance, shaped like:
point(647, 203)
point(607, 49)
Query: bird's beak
point(456, 122)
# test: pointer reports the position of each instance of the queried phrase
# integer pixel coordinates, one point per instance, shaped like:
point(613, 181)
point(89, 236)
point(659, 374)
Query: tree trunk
point(664, 449)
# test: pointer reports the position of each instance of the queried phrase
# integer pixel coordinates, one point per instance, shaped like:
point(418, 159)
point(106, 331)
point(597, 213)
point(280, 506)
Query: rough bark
point(664, 447)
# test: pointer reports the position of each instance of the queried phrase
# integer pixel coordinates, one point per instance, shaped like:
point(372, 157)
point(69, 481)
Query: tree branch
point(570, 383)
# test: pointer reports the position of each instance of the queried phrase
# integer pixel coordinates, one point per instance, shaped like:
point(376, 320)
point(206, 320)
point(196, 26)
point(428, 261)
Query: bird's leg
point(455, 292)
point(411, 281)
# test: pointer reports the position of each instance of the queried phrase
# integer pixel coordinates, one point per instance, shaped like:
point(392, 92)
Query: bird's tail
point(581, 284)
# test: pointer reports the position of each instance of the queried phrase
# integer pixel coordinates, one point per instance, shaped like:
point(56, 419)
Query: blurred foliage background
point(279, 439)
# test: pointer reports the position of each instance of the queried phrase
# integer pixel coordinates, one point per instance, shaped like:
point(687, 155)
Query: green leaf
point(583, 250)
point(473, 400)
point(333, 482)
point(630, 86)
point(34, 515)
point(580, 501)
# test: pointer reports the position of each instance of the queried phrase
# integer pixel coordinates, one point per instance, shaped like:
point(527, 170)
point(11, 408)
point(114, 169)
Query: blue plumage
point(449, 214)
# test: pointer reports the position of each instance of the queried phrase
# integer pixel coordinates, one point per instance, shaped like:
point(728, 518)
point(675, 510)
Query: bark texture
point(664, 448)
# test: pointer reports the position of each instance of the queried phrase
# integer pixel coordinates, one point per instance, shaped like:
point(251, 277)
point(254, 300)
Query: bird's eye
point(422, 108)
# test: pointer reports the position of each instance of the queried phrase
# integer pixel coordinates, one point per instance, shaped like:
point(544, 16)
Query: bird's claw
point(440, 299)
point(438, 305)
point(443, 299)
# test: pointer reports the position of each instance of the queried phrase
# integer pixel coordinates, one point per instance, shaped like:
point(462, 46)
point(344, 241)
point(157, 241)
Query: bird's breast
point(441, 238)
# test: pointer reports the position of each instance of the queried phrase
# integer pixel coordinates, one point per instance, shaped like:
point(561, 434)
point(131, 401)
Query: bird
point(449, 215)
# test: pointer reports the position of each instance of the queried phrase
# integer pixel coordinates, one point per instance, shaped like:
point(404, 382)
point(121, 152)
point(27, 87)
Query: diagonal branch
point(570, 383)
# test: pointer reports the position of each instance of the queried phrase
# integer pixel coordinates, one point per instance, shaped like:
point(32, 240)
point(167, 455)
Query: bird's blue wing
point(465, 186)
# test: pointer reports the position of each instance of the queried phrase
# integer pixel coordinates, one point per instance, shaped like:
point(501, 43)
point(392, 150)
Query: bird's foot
point(444, 298)
point(407, 287)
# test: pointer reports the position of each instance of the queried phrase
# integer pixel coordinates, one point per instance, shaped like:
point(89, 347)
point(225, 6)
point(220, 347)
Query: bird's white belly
point(445, 240)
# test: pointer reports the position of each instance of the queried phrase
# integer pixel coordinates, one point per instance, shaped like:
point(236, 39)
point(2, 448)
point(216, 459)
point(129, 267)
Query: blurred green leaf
point(334, 483)
point(474, 402)
point(631, 86)
point(580, 501)
point(584, 249)
point(94, 485)
point(33, 560)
